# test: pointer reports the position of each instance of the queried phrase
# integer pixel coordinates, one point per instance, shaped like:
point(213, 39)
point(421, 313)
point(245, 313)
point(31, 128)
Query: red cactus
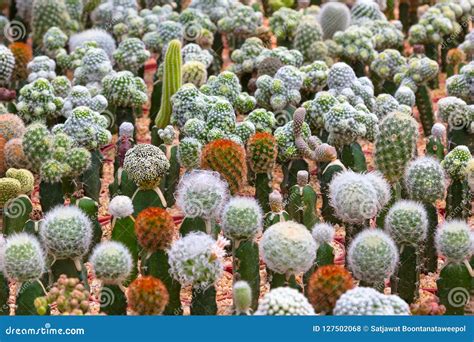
point(326, 285)
point(147, 296)
point(228, 158)
point(154, 228)
point(262, 152)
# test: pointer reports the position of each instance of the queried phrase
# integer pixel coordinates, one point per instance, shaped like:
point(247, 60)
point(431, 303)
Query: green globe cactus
point(307, 32)
point(48, 13)
point(131, 55)
point(372, 257)
point(53, 40)
point(111, 261)
point(194, 72)
point(11, 188)
point(25, 177)
point(334, 17)
point(242, 297)
point(284, 23)
point(458, 85)
point(41, 67)
point(456, 113)
point(284, 301)
point(92, 67)
point(189, 153)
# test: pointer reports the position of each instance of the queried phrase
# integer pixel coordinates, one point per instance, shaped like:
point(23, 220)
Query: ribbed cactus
point(227, 158)
point(66, 233)
point(171, 82)
point(284, 301)
point(147, 296)
point(261, 153)
point(326, 285)
point(241, 222)
point(8, 65)
point(112, 264)
point(196, 259)
point(425, 182)
point(155, 229)
point(458, 198)
point(454, 241)
point(288, 250)
point(372, 257)
point(407, 224)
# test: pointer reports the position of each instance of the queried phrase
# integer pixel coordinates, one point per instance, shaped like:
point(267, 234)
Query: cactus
point(246, 56)
point(372, 257)
point(23, 55)
point(384, 67)
point(425, 182)
point(131, 55)
point(302, 201)
point(103, 39)
point(283, 24)
point(365, 301)
point(147, 296)
point(8, 64)
point(24, 262)
point(91, 67)
point(11, 188)
point(263, 120)
point(196, 259)
point(366, 10)
point(66, 233)
point(41, 67)
point(242, 23)
point(315, 77)
point(48, 13)
point(242, 298)
point(454, 241)
point(262, 153)
point(155, 229)
point(277, 212)
point(326, 286)
point(112, 264)
point(189, 153)
point(458, 85)
point(146, 165)
point(194, 72)
point(287, 249)
point(14, 155)
point(170, 181)
point(435, 146)
point(201, 195)
point(407, 224)
point(227, 158)
point(171, 82)
point(334, 17)
point(458, 198)
point(386, 35)
point(307, 32)
point(242, 222)
point(284, 301)
point(53, 40)
point(456, 113)
point(11, 126)
point(80, 96)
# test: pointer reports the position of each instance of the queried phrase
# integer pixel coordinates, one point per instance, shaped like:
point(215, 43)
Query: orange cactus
point(14, 155)
point(228, 158)
point(23, 55)
point(262, 152)
point(326, 285)
point(3, 167)
point(147, 296)
point(155, 229)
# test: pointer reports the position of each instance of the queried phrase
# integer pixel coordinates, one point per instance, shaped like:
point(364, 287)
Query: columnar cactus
point(241, 221)
point(66, 233)
point(201, 195)
point(227, 158)
point(326, 286)
point(407, 224)
point(454, 241)
point(458, 198)
point(147, 296)
point(196, 259)
point(365, 301)
point(425, 182)
point(372, 257)
point(7, 60)
point(112, 264)
point(287, 249)
point(171, 82)
point(284, 301)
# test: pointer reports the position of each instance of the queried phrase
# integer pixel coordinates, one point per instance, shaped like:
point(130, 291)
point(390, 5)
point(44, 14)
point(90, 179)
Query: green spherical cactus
point(459, 85)
point(194, 72)
point(355, 45)
point(372, 257)
point(146, 164)
point(41, 67)
point(22, 258)
point(189, 153)
point(123, 89)
point(11, 188)
point(407, 223)
point(78, 160)
point(308, 32)
point(425, 180)
point(111, 261)
point(66, 232)
point(284, 23)
point(62, 86)
point(54, 39)
point(263, 120)
point(334, 17)
point(245, 57)
point(241, 218)
point(52, 171)
point(48, 13)
point(395, 144)
point(284, 301)
point(454, 241)
point(147, 296)
point(92, 67)
point(454, 164)
point(25, 177)
point(315, 76)
point(37, 144)
point(365, 301)
point(7, 64)
point(288, 248)
point(242, 297)
point(131, 55)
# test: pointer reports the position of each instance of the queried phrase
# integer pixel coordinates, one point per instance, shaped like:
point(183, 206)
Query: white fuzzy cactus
point(323, 233)
point(372, 256)
point(201, 194)
point(242, 296)
point(197, 259)
point(66, 232)
point(121, 206)
point(242, 218)
point(112, 262)
point(103, 39)
point(455, 241)
point(22, 258)
point(288, 248)
point(284, 301)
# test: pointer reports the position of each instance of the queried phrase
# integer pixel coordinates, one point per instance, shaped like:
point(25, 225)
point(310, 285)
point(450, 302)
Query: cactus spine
point(171, 82)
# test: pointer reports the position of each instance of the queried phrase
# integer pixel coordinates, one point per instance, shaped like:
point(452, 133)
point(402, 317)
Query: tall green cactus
point(171, 82)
